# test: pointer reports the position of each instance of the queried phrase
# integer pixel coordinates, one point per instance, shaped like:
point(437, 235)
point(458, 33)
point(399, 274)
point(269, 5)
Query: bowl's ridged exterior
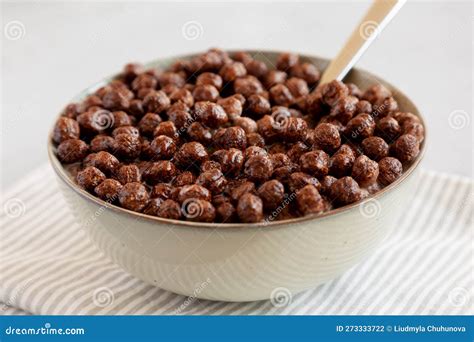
point(243, 263)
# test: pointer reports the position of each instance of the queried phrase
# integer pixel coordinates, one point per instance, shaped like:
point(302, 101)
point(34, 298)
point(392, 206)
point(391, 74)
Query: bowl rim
point(65, 177)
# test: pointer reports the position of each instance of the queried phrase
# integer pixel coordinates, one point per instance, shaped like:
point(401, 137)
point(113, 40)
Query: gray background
point(426, 51)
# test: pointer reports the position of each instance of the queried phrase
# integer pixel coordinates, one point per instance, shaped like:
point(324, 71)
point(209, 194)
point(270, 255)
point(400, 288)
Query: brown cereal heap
point(222, 138)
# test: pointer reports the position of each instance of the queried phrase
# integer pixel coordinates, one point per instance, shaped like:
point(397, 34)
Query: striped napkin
point(48, 265)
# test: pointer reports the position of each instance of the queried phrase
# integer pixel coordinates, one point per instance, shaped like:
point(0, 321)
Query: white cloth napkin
point(48, 265)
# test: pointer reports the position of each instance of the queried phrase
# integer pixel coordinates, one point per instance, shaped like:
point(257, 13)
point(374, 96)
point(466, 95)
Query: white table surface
point(64, 47)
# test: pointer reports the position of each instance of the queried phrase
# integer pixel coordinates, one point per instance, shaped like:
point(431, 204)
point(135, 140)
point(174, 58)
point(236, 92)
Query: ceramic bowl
point(243, 262)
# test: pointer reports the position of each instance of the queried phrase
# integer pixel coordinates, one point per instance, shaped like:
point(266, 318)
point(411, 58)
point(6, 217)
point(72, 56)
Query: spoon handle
point(377, 17)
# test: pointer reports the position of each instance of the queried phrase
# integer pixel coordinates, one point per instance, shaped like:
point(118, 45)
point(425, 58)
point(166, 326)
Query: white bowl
point(243, 262)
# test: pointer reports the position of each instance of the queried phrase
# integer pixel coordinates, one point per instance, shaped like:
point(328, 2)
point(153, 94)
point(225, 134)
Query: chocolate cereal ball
point(279, 160)
point(72, 150)
point(333, 92)
point(365, 171)
point(167, 128)
point(376, 93)
point(127, 146)
point(230, 72)
point(210, 165)
point(250, 208)
point(255, 139)
point(315, 163)
point(90, 177)
point(182, 95)
point(133, 196)
point(258, 168)
point(363, 107)
point(108, 190)
point(281, 95)
point(346, 191)
point(161, 171)
point(104, 161)
point(211, 114)
point(258, 105)
point(162, 191)
point(65, 129)
point(162, 147)
point(191, 154)
point(185, 178)
point(272, 193)
point(307, 72)
point(296, 151)
point(297, 86)
point(388, 128)
point(298, 180)
point(390, 169)
point(326, 185)
point(360, 127)
point(144, 81)
point(156, 102)
point(247, 86)
point(295, 129)
point(375, 148)
point(267, 128)
point(239, 190)
point(205, 92)
point(169, 209)
point(327, 137)
point(153, 206)
point(341, 162)
point(252, 151)
point(148, 123)
point(274, 77)
point(414, 128)
point(102, 143)
point(231, 160)
point(193, 191)
point(344, 109)
point(232, 106)
point(213, 180)
point(309, 201)
point(198, 210)
point(126, 130)
point(256, 68)
point(406, 148)
point(232, 137)
point(286, 61)
point(354, 90)
point(226, 213)
point(128, 174)
point(200, 133)
point(209, 78)
point(121, 119)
